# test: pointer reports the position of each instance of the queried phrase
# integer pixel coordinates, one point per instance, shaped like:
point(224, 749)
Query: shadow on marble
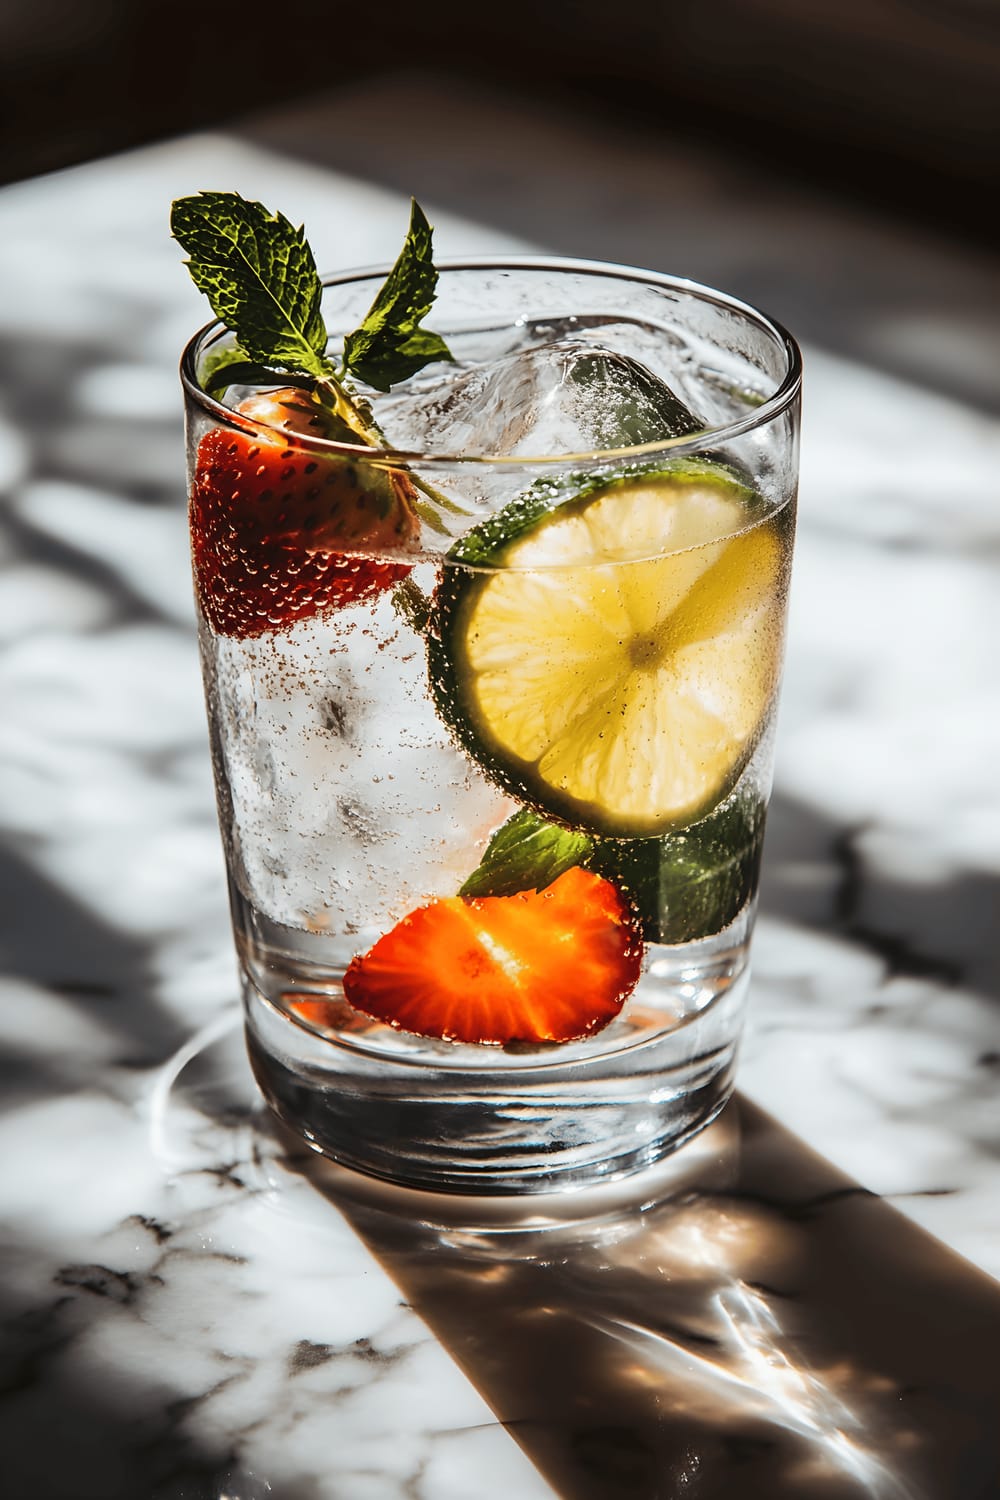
point(103, 972)
point(940, 926)
point(104, 1439)
point(743, 1319)
point(746, 1320)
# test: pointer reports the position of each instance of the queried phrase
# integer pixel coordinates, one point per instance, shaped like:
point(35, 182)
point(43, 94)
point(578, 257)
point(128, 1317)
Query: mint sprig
point(259, 275)
point(390, 345)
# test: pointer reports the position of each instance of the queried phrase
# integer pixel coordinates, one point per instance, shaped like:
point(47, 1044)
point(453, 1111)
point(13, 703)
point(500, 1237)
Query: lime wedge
point(614, 664)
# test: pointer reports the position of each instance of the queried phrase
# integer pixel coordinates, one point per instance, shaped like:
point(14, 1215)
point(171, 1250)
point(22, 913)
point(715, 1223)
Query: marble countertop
point(804, 1302)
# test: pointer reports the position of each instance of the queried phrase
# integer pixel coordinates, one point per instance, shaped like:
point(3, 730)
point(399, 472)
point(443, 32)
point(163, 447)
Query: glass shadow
point(743, 1321)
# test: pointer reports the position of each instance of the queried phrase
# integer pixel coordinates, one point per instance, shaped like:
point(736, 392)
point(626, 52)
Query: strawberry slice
point(272, 520)
point(539, 966)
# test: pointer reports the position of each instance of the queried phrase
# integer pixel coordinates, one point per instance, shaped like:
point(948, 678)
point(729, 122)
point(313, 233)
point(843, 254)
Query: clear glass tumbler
point(492, 715)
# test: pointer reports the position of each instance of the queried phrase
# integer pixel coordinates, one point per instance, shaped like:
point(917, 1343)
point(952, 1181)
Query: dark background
point(895, 102)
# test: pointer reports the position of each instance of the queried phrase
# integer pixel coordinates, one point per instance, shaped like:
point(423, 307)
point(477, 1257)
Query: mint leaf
point(244, 372)
point(681, 887)
point(390, 345)
point(693, 883)
point(525, 854)
point(259, 275)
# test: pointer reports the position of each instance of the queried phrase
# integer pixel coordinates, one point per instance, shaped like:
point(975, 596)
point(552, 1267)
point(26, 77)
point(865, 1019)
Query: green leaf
point(681, 887)
point(390, 345)
point(259, 275)
point(691, 884)
point(244, 372)
point(525, 854)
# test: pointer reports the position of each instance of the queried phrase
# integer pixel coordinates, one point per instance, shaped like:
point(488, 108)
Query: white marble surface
point(876, 1028)
point(240, 1333)
point(217, 1327)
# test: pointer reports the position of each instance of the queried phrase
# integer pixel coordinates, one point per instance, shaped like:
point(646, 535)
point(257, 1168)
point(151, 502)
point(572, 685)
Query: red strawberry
point(273, 521)
point(539, 966)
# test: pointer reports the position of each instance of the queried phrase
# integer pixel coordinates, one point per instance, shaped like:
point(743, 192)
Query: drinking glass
point(531, 734)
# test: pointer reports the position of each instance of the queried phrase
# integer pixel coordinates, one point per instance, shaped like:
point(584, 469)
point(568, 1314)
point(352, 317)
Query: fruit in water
point(539, 966)
point(682, 886)
point(280, 531)
point(613, 660)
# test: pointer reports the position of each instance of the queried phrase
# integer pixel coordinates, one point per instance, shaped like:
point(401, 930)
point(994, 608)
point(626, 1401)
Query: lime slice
point(615, 665)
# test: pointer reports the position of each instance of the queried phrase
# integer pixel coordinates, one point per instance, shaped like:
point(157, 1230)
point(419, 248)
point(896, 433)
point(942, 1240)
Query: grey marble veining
point(190, 1330)
point(743, 1313)
point(196, 1313)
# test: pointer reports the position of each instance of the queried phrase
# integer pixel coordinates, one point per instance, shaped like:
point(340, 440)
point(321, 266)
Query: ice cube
point(564, 397)
point(350, 806)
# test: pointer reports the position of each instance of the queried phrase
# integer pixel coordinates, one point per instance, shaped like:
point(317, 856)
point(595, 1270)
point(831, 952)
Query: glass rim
point(773, 406)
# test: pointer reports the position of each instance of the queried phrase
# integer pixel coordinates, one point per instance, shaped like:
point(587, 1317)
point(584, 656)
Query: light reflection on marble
point(185, 1305)
point(741, 1312)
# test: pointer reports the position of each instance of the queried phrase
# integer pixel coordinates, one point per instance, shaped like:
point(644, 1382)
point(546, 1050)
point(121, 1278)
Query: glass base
point(464, 1119)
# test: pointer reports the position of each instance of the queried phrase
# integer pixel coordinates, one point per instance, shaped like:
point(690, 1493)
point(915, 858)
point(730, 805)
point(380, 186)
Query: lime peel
point(614, 663)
